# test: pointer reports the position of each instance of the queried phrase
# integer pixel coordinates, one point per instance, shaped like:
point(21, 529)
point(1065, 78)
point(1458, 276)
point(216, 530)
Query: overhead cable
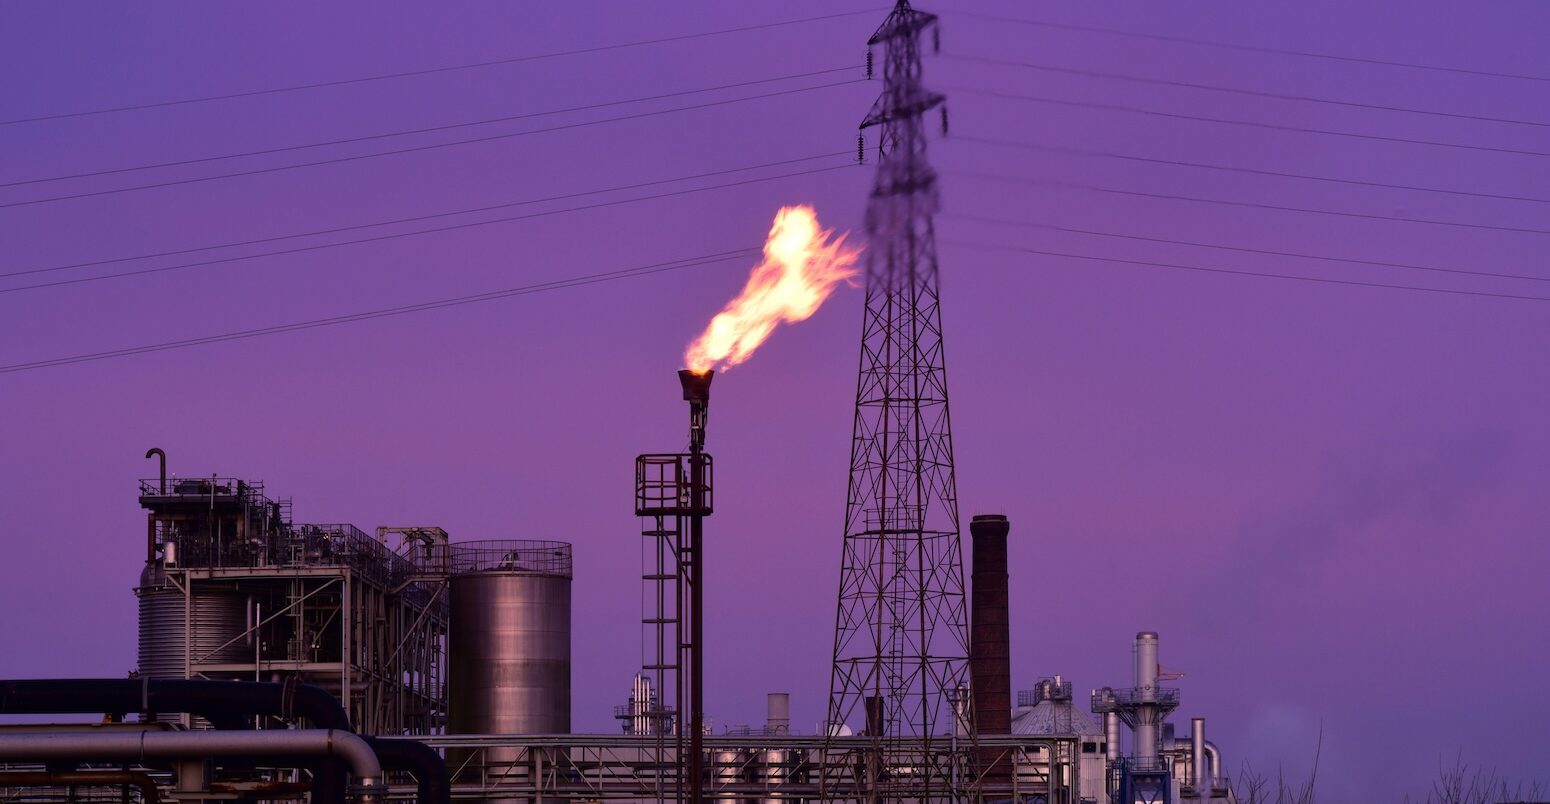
point(426, 130)
point(350, 318)
point(1248, 204)
point(1061, 26)
point(414, 233)
point(1115, 107)
point(1257, 93)
point(434, 70)
point(1240, 249)
point(430, 216)
point(428, 147)
point(1059, 149)
point(1236, 272)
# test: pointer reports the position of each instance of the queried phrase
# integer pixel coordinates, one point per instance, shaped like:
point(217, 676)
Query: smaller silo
point(509, 639)
point(178, 631)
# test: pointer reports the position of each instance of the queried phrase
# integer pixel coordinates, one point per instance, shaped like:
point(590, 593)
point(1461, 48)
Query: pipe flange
point(369, 792)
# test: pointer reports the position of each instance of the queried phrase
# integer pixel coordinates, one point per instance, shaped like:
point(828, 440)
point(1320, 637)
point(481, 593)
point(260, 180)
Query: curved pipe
point(1213, 754)
point(86, 746)
point(148, 792)
point(433, 782)
point(228, 704)
point(157, 451)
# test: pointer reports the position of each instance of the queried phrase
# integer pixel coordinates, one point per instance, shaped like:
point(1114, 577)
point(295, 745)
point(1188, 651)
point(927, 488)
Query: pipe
point(226, 704)
point(433, 782)
point(203, 744)
point(1111, 736)
point(157, 451)
point(1197, 753)
point(696, 388)
point(147, 786)
point(1213, 757)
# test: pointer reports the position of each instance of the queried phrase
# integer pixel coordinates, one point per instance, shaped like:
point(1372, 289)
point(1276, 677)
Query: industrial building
point(430, 669)
point(465, 647)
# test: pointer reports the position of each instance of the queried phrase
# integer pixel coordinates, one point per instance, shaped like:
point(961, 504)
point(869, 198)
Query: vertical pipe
point(1146, 692)
point(1111, 735)
point(1197, 747)
point(696, 388)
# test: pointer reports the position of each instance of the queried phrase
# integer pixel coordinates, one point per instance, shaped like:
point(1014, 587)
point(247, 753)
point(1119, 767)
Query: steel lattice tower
point(901, 631)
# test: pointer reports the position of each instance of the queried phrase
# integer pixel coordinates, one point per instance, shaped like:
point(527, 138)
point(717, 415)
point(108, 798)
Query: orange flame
point(800, 269)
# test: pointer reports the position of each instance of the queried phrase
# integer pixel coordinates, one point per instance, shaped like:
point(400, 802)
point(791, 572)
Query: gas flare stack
point(901, 628)
point(673, 496)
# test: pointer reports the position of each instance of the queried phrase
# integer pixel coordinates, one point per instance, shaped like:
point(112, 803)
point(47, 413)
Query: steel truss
point(900, 672)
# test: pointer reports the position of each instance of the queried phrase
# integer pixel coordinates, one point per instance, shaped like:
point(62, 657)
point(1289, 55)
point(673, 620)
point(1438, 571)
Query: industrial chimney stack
point(990, 662)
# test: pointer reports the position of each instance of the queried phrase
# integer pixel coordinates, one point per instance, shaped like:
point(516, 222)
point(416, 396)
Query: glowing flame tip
point(802, 265)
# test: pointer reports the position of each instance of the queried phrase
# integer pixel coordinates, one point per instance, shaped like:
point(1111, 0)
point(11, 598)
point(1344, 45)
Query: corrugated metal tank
point(509, 638)
point(217, 622)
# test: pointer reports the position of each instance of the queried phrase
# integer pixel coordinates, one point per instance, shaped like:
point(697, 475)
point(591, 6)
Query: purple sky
point(1329, 500)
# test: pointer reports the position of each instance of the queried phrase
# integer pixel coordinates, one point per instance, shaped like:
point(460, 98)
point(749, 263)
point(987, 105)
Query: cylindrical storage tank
point(775, 767)
point(728, 770)
point(509, 640)
point(777, 719)
point(216, 626)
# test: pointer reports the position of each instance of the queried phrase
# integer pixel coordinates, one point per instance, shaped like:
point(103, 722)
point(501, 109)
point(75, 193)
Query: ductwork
point(296, 743)
point(143, 782)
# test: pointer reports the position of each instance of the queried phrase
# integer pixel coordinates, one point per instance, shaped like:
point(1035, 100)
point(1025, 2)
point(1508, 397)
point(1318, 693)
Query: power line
point(427, 130)
point(430, 216)
point(1114, 107)
point(1028, 146)
point(1249, 204)
point(1250, 48)
point(429, 147)
point(415, 233)
point(1241, 249)
point(433, 70)
point(1258, 93)
point(1236, 272)
point(350, 318)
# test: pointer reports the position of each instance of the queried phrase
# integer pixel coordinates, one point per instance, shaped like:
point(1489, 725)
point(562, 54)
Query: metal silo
point(509, 644)
point(215, 625)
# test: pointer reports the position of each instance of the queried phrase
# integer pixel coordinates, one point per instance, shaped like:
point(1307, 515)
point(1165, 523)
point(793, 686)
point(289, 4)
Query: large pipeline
point(297, 743)
point(230, 705)
point(143, 782)
point(226, 704)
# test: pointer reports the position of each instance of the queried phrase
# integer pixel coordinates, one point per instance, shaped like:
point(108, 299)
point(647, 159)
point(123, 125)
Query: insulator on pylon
point(936, 39)
point(944, 121)
point(861, 149)
point(869, 63)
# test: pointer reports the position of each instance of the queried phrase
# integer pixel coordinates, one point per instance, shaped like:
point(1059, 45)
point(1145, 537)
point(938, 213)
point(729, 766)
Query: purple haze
point(1328, 499)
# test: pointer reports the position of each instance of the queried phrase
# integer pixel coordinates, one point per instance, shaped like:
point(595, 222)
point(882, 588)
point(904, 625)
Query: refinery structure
point(283, 661)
